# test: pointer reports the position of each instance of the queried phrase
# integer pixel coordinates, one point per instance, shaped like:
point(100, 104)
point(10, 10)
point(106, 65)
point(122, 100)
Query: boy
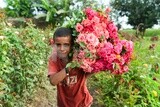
point(71, 83)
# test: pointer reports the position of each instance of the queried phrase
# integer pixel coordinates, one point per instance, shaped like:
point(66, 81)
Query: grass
point(152, 32)
point(148, 32)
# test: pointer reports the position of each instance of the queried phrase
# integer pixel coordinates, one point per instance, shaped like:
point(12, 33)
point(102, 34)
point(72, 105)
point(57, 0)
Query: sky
point(106, 2)
point(2, 4)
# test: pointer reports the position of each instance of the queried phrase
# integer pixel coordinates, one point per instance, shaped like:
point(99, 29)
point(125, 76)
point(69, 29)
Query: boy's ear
point(51, 41)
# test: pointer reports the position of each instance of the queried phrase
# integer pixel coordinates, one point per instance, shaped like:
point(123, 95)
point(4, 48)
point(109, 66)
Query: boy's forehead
point(68, 36)
point(63, 38)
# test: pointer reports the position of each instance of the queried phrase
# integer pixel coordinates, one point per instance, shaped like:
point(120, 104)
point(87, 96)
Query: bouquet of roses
point(99, 47)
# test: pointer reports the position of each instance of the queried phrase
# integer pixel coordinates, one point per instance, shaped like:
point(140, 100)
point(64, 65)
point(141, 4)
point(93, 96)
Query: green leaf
point(73, 64)
point(61, 11)
point(48, 16)
point(82, 44)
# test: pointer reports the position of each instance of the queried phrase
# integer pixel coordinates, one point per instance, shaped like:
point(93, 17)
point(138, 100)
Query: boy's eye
point(58, 44)
point(66, 44)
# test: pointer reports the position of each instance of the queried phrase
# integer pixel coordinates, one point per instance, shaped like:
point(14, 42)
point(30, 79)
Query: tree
point(19, 8)
point(53, 11)
point(56, 10)
point(138, 11)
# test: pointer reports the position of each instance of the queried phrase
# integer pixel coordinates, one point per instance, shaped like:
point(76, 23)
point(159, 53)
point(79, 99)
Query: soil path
point(44, 96)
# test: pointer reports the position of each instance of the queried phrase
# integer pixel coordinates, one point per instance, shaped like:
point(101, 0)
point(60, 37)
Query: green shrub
point(23, 60)
point(19, 8)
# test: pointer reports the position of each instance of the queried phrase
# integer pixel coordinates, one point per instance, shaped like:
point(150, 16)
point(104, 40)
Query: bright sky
point(106, 2)
point(2, 4)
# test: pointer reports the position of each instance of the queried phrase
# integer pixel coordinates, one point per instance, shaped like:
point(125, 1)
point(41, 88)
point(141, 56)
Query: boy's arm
point(54, 76)
point(57, 77)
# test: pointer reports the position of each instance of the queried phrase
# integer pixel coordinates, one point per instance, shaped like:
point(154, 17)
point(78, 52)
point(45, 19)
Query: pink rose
point(81, 38)
point(86, 22)
point(90, 13)
point(118, 48)
point(98, 30)
point(86, 65)
point(125, 68)
point(92, 39)
point(106, 34)
point(111, 58)
point(98, 66)
point(81, 54)
point(79, 27)
point(129, 46)
point(111, 27)
point(105, 51)
point(107, 10)
point(95, 20)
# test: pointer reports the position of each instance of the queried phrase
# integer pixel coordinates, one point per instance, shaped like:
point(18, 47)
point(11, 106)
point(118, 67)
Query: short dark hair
point(62, 32)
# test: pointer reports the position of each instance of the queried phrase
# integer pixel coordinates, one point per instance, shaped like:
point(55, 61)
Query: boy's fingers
point(54, 53)
point(75, 54)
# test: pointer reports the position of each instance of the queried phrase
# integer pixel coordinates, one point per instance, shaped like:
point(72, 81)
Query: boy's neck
point(65, 61)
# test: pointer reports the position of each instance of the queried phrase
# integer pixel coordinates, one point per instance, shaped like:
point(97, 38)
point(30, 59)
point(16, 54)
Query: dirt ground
point(44, 96)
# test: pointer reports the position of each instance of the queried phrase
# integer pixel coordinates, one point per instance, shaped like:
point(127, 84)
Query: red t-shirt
point(72, 91)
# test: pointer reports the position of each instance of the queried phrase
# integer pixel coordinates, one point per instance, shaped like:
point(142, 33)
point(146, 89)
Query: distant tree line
point(145, 12)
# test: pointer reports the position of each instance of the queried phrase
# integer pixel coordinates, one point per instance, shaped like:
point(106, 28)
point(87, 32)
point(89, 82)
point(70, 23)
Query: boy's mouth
point(63, 52)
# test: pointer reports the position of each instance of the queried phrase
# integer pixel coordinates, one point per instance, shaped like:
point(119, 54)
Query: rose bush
point(100, 48)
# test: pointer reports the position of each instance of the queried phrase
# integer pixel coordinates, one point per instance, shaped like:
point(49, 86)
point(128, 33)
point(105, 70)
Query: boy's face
point(63, 46)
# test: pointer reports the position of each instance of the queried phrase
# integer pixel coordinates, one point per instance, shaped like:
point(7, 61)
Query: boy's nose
point(62, 48)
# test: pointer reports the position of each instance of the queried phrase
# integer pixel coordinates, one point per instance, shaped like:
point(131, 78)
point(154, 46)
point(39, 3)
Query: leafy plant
point(19, 8)
point(56, 11)
point(22, 63)
point(52, 9)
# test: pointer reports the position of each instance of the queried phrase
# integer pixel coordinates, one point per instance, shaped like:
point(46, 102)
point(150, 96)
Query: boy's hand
point(54, 53)
point(75, 54)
